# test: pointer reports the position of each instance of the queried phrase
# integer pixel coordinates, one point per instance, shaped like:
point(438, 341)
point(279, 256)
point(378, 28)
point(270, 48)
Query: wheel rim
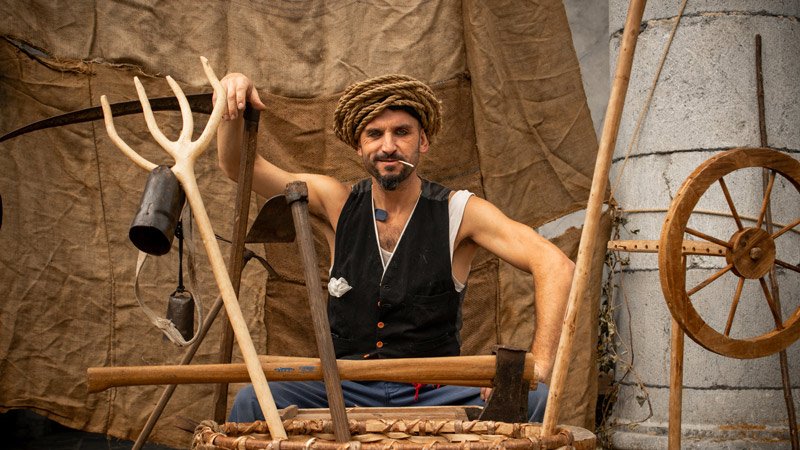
point(750, 255)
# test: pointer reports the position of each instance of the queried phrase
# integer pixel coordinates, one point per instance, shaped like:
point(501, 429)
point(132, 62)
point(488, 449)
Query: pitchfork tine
point(219, 105)
point(112, 133)
point(186, 111)
point(162, 140)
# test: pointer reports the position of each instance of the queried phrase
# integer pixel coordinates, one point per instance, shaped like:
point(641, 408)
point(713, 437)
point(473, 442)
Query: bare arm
point(522, 247)
point(326, 195)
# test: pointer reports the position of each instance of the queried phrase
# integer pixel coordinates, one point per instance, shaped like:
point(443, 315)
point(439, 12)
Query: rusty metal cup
point(153, 227)
point(180, 310)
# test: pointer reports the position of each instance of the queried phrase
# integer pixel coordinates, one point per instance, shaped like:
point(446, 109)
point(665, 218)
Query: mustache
point(387, 157)
point(400, 160)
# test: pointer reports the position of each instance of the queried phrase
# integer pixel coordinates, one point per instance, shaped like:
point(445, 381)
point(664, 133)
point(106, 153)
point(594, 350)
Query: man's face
point(391, 137)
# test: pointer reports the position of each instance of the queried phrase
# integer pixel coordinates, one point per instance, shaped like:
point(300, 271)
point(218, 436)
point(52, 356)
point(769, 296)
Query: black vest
point(414, 311)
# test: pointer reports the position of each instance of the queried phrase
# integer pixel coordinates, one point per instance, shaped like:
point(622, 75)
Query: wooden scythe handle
point(593, 211)
point(456, 370)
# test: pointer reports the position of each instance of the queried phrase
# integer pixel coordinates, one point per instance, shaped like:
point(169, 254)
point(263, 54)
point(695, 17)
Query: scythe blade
point(200, 103)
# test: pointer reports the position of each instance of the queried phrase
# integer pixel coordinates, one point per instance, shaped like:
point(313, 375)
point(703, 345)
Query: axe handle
point(297, 197)
point(456, 370)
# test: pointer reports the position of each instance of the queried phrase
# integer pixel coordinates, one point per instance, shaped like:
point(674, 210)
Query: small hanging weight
point(180, 310)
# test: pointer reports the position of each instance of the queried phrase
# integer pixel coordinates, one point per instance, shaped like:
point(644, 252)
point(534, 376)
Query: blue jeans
point(311, 394)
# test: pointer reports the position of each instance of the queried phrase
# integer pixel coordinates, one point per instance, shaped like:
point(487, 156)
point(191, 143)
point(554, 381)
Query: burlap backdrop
point(517, 132)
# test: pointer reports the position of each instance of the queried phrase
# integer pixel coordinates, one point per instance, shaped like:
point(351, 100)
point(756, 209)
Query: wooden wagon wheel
point(750, 253)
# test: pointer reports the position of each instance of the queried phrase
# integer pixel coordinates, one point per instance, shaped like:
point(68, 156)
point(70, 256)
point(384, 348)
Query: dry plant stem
point(593, 211)
point(185, 152)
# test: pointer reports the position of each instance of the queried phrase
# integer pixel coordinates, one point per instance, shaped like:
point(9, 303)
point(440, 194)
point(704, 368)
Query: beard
point(388, 181)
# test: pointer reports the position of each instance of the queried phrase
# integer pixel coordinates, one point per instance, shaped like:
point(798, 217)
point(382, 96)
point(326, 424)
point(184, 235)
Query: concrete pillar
point(705, 103)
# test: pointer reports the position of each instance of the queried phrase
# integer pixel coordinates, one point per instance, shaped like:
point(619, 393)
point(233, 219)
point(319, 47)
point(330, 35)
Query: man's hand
point(485, 393)
point(240, 90)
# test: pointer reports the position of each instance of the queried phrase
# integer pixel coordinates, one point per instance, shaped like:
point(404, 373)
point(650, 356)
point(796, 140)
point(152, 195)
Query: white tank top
point(456, 206)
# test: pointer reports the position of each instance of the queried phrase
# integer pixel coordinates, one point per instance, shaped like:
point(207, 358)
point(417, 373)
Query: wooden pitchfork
point(185, 152)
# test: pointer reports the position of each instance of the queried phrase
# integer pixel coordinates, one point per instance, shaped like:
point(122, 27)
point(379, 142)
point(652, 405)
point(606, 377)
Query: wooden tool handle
point(297, 197)
point(594, 205)
point(455, 370)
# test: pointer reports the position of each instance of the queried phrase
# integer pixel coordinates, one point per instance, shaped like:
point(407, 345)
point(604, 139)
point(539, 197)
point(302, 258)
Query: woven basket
point(382, 434)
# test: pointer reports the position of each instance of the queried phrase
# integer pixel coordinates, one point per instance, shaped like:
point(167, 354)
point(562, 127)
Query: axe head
point(508, 401)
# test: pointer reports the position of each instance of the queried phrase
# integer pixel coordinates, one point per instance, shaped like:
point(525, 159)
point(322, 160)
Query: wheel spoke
point(702, 235)
point(734, 305)
point(787, 265)
point(786, 228)
point(730, 203)
point(772, 307)
point(765, 202)
point(709, 280)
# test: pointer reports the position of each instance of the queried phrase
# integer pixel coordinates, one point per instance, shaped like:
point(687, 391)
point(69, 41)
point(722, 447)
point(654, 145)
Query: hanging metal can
point(180, 310)
point(153, 227)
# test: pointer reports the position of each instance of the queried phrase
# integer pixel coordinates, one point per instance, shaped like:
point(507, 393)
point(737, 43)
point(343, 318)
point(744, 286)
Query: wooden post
point(594, 206)
point(675, 387)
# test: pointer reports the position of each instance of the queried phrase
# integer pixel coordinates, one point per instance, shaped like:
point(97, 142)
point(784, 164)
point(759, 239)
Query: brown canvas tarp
point(517, 132)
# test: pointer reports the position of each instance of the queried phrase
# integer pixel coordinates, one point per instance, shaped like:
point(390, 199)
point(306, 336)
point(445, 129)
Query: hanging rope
point(646, 107)
point(165, 325)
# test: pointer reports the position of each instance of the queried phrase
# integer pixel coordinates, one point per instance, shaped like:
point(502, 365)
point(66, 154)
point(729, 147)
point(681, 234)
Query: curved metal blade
point(274, 223)
point(200, 103)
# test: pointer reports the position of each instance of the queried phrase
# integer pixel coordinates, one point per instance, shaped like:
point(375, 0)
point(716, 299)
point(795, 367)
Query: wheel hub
point(752, 253)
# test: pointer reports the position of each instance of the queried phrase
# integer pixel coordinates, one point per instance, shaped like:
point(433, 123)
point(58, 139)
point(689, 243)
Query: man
point(401, 247)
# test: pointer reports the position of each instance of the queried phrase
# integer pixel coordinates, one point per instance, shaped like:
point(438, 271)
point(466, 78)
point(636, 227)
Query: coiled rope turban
point(365, 100)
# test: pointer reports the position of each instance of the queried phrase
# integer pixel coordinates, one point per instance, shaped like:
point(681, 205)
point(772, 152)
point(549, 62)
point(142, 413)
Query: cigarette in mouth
point(406, 163)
